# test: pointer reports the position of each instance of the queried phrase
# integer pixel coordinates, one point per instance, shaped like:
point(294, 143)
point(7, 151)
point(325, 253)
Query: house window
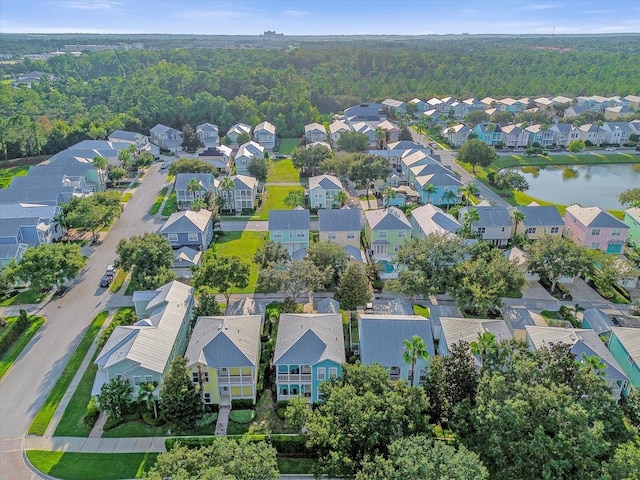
point(615, 232)
point(205, 376)
point(402, 234)
point(195, 377)
point(301, 234)
point(595, 245)
point(595, 232)
point(172, 237)
point(331, 235)
point(351, 235)
point(277, 234)
point(530, 230)
point(333, 372)
point(207, 397)
point(382, 234)
point(290, 234)
point(630, 360)
point(555, 229)
point(137, 380)
point(322, 373)
point(193, 237)
point(148, 378)
point(481, 229)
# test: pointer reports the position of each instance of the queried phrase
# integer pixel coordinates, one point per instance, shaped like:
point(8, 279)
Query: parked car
point(111, 271)
point(164, 166)
point(610, 149)
point(106, 280)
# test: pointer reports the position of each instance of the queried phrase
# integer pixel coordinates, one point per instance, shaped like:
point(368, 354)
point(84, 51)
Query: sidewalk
point(96, 445)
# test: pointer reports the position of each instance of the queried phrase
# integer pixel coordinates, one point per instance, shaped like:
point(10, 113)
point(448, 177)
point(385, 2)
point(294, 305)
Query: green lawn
point(288, 465)
point(171, 206)
point(9, 357)
point(243, 244)
point(569, 159)
point(43, 417)
point(283, 171)
point(288, 145)
point(92, 466)
point(421, 310)
point(273, 199)
point(121, 276)
point(71, 422)
point(7, 174)
point(126, 197)
point(28, 297)
point(156, 205)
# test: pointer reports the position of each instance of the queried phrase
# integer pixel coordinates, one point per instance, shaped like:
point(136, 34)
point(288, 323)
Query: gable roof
point(382, 337)
point(225, 341)
point(327, 182)
point(244, 182)
point(289, 220)
point(187, 255)
point(339, 126)
point(455, 330)
point(160, 129)
point(630, 340)
point(541, 216)
point(312, 127)
point(126, 135)
point(247, 306)
point(598, 321)
point(309, 339)
point(210, 127)
point(390, 218)
point(517, 318)
point(432, 219)
point(339, 220)
point(186, 221)
point(206, 180)
point(266, 126)
point(239, 128)
point(595, 217)
point(490, 215)
point(633, 212)
point(328, 305)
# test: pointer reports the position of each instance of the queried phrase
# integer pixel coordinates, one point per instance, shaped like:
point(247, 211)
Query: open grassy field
point(282, 171)
point(273, 199)
point(569, 159)
point(7, 174)
point(288, 145)
point(243, 244)
point(93, 466)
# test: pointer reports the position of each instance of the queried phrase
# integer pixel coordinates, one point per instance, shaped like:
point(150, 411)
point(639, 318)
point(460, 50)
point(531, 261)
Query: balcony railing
point(307, 397)
point(294, 377)
point(234, 379)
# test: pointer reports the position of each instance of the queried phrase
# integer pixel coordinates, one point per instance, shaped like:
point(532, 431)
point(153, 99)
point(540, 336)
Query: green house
point(632, 220)
point(624, 345)
point(386, 231)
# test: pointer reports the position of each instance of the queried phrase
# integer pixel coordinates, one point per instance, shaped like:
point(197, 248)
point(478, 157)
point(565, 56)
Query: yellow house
point(223, 356)
point(341, 226)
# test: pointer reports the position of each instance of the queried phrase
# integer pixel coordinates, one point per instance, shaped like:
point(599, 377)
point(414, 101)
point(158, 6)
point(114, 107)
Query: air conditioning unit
point(356, 352)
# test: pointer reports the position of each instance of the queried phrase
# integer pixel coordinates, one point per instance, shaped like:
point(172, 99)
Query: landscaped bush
point(241, 404)
point(207, 419)
point(242, 416)
point(10, 333)
point(292, 446)
point(91, 415)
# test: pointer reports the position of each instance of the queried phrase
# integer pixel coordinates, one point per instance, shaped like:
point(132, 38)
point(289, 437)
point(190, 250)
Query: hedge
point(285, 445)
point(11, 333)
point(242, 404)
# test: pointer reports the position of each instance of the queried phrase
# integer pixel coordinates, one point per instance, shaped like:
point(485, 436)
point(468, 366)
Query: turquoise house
point(632, 220)
point(309, 351)
point(290, 228)
point(624, 345)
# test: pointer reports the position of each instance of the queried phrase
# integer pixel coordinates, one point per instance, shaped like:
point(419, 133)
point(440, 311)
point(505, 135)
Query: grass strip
point(92, 466)
point(44, 415)
point(9, 357)
point(71, 422)
point(171, 205)
point(28, 297)
point(126, 197)
point(155, 208)
point(116, 285)
point(7, 174)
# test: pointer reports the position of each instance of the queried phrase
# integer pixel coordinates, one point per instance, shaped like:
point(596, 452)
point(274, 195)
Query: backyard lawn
point(243, 244)
point(283, 171)
point(288, 145)
point(273, 199)
point(7, 174)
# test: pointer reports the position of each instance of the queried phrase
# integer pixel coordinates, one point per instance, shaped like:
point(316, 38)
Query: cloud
point(104, 5)
point(294, 13)
point(538, 6)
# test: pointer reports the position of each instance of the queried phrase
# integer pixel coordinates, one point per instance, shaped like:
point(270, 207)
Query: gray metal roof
point(630, 340)
point(517, 318)
point(390, 218)
point(541, 216)
point(247, 306)
point(187, 221)
point(382, 337)
point(328, 305)
point(327, 182)
point(394, 306)
point(339, 220)
point(490, 216)
point(289, 220)
point(204, 179)
point(309, 339)
point(126, 135)
point(597, 320)
point(595, 217)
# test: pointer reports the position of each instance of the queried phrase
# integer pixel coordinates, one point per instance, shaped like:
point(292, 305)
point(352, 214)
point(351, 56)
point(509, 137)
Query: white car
point(610, 149)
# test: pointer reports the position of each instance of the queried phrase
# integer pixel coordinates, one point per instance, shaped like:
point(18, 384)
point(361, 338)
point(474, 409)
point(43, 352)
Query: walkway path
point(223, 420)
point(97, 445)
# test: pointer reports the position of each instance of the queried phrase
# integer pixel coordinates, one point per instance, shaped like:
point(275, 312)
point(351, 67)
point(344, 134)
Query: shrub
point(207, 419)
point(91, 415)
point(11, 333)
point(242, 416)
point(241, 404)
point(291, 446)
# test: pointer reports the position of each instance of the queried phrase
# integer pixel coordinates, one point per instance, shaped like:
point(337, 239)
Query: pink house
point(595, 228)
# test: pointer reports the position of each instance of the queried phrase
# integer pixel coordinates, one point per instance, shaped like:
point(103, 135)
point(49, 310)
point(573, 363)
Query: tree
point(271, 254)
point(511, 180)
point(475, 117)
point(469, 218)
point(223, 274)
point(124, 157)
point(46, 265)
point(483, 347)
point(353, 142)
point(310, 159)
point(388, 193)
point(365, 169)
point(258, 168)
point(429, 189)
point(381, 138)
point(469, 189)
point(341, 197)
point(115, 397)
point(328, 257)
point(338, 164)
point(362, 414)
point(197, 205)
point(190, 139)
point(294, 199)
point(576, 146)
point(193, 186)
point(206, 304)
point(553, 258)
point(180, 402)
point(476, 152)
point(298, 413)
point(612, 270)
point(422, 457)
point(101, 165)
point(630, 197)
point(224, 459)
point(147, 394)
point(405, 134)
point(303, 276)
point(227, 185)
point(518, 217)
point(192, 165)
point(116, 174)
point(143, 159)
point(354, 289)
point(149, 258)
point(243, 138)
point(625, 463)
point(414, 349)
point(449, 196)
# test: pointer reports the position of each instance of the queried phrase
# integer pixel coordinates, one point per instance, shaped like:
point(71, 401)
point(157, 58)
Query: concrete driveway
point(27, 384)
point(581, 292)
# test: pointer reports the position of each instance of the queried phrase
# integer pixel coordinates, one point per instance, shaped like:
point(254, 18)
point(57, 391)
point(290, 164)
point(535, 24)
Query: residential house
point(514, 136)
point(382, 340)
point(435, 118)
point(583, 344)
point(511, 105)
point(517, 318)
point(495, 224)
point(632, 101)
point(365, 112)
point(624, 345)
point(166, 138)
point(564, 134)
point(309, 351)
point(237, 129)
point(189, 229)
point(446, 186)
point(539, 221)
point(315, 132)
point(11, 249)
point(54, 189)
point(616, 133)
point(395, 106)
point(398, 305)
point(207, 183)
point(218, 156)
point(455, 330)
point(489, 102)
point(414, 158)
point(575, 111)
point(328, 305)
point(429, 219)
point(242, 196)
point(245, 154)
point(591, 132)
point(208, 134)
point(265, 135)
point(436, 312)
point(596, 320)
point(30, 224)
point(336, 129)
point(290, 228)
point(248, 306)
point(143, 352)
point(133, 138)
point(520, 258)
point(561, 101)
point(597, 103)
point(185, 259)
point(595, 228)
point(418, 105)
point(367, 129)
point(223, 358)
point(632, 220)
point(457, 135)
point(540, 134)
point(323, 191)
point(341, 226)
point(434, 103)
point(386, 230)
point(391, 130)
point(28, 79)
point(614, 113)
point(543, 103)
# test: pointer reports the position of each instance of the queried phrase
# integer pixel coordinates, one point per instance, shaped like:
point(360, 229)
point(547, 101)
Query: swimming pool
point(387, 266)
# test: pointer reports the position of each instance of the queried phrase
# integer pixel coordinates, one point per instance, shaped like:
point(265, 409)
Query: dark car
point(106, 281)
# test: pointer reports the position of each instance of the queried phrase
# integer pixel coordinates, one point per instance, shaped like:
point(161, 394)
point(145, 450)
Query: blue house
point(189, 229)
point(446, 186)
point(489, 133)
point(290, 228)
point(309, 351)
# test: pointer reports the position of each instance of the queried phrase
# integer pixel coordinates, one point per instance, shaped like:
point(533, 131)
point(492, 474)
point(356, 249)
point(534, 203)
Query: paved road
point(26, 386)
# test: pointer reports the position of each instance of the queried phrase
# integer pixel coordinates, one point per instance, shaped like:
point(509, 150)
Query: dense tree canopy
point(476, 153)
point(149, 258)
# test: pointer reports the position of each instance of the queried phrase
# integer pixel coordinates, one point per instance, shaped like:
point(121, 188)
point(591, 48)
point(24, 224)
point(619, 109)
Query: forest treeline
point(98, 92)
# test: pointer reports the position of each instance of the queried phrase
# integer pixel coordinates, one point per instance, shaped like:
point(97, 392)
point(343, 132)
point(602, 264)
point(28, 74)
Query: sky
point(320, 17)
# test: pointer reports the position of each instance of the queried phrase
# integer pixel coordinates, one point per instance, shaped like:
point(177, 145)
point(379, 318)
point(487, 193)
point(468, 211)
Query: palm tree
point(518, 217)
point(470, 217)
point(227, 184)
point(449, 196)
point(593, 364)
point(450, 132)
point(342, 198)
point(146, 393)
point(193, 186)
point(414, 349)
point(429, 189)
point(468, 190)
point(101, 164)
point(484, 346)
point(381, 138)
point(294, 199)
point(599, 124)
point(387, 194)
point(197, 205)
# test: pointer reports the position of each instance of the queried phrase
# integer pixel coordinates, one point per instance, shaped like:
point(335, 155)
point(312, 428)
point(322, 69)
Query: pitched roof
point(207, 127)
point(311, 127)
point(541, 216)
point(355, 254)
point(595, 217)
point(289, 220)
point(206, 180)
point(338, 126)
point(490, 215)
point(160, 129)
point(266, 126)
point(339, 220)
point(327, 182)
point(126, 135)
point(245, 182)
point(239, 128)
point(382, 337)
point(432, 219)
point(309, 339)
point(187, 255)
point(328, 305)
point(630, 340)
point(467, 329)
point(390, 218)
point(633, 212)
point(396, 306)
point(185, 221)
point(225, 341)
point(598, 321)
point(247, 306)
point(517, 318)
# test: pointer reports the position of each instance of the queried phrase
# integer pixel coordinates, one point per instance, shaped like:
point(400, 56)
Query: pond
point(588, 185)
